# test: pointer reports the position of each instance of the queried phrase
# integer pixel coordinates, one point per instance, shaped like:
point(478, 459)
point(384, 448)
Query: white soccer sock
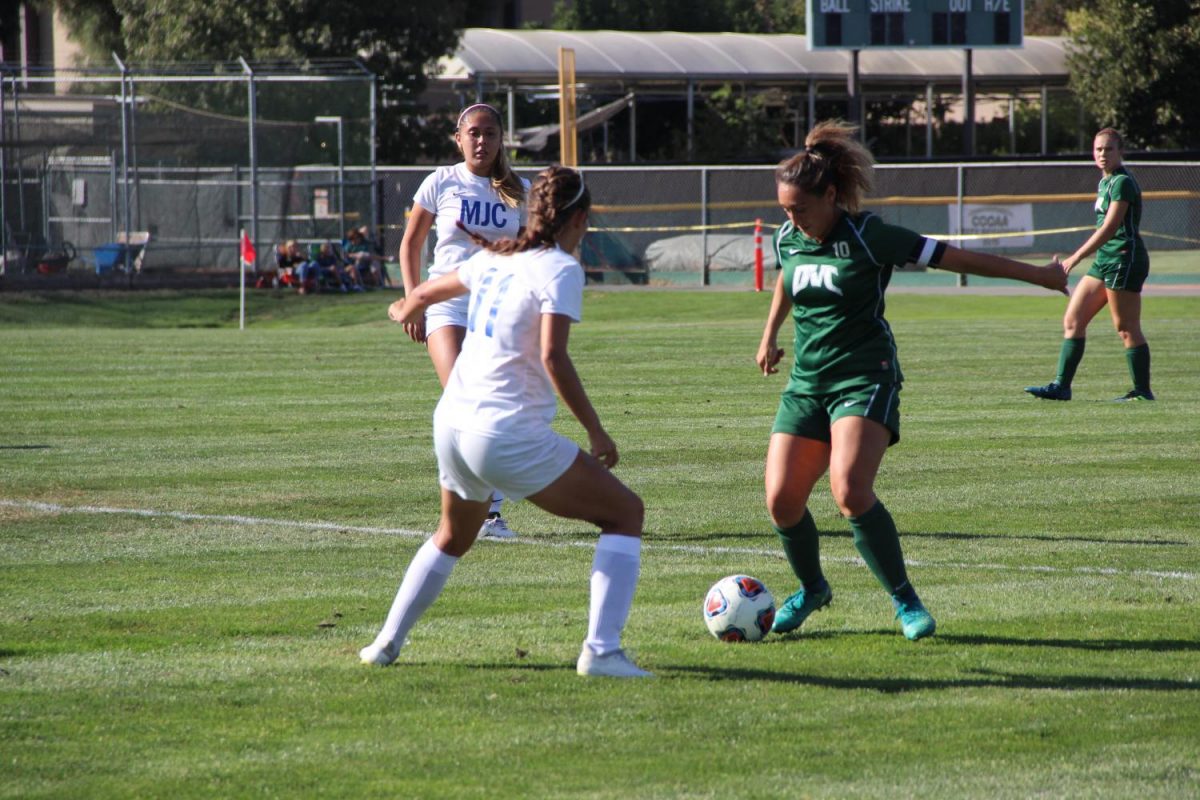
point(423, 582)
point(497, 499)
point(614, 578)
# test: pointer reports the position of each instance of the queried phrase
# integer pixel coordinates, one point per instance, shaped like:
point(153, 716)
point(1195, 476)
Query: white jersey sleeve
point(563, 291)
point(498, 386)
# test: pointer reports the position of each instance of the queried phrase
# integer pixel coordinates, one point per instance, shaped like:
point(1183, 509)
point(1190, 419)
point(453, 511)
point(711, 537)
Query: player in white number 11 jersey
point(492, 425)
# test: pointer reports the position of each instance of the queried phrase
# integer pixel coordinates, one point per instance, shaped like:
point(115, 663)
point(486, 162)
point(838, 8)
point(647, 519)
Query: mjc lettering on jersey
point(482, 214)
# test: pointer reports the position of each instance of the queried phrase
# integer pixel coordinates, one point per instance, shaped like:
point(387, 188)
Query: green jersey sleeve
point(1123, 188)
point(894, 246)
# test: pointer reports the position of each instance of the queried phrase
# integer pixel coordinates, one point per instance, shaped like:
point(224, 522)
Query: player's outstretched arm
point(555, 330)
point(1052, 276)
point(412, 308)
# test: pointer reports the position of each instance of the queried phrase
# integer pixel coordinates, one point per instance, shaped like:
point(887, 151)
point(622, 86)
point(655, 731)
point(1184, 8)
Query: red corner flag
point(248, 254)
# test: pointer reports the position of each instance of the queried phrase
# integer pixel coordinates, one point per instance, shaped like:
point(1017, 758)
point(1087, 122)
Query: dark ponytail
point(832, 156)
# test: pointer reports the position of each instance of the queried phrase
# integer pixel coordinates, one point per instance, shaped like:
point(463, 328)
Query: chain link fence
point(184, 157)
point(695, 225)
point(192, 158)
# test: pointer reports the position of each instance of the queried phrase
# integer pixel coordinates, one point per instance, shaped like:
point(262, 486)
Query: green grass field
point(200, 526)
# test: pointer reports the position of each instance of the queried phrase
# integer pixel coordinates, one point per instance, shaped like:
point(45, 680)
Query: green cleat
point(798, 607)
point(1135, 396)
point(1051, 391)
point(916, 622)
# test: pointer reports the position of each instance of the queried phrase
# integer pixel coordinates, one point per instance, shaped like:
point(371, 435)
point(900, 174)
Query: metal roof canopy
point(667, 62)
point(629, 58)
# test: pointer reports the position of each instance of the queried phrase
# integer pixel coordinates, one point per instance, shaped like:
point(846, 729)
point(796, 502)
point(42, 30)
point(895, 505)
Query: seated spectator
point(361, 252)
point(334, 271)
point(292, 267)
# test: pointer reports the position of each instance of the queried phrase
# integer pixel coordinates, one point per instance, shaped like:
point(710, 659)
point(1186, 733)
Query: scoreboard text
point(863, 24)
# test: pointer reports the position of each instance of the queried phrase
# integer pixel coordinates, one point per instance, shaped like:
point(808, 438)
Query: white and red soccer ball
point(738, 608)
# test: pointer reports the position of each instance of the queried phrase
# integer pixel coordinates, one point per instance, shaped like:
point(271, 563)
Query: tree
point(95, 26)
point(735, 125)
point(1049, 17)
point(397, 41)
point(1136, 65)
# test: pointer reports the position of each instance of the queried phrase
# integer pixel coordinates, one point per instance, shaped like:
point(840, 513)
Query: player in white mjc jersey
point(492, 427)
point(477, 199)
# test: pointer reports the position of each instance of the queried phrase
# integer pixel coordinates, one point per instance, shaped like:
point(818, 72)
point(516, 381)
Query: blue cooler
point(108, 256)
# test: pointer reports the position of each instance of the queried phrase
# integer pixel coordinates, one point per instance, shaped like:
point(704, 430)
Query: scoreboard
point(958, 24)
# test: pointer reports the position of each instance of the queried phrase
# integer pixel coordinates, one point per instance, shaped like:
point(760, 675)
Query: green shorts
point(812, 415)
point(1122, 276)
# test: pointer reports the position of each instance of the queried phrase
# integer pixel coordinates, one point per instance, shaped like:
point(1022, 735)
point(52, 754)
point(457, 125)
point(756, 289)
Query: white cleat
point(610, 665)
point(496, 528)
point(379, 655)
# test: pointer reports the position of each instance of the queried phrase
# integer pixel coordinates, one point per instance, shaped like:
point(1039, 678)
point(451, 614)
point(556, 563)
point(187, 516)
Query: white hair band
point(579, 194)
point(475, 107)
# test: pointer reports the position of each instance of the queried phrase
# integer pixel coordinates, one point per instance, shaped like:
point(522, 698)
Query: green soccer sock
point(878, 543)
point(802, 546)
point(1069, 357)
point(1138, 359)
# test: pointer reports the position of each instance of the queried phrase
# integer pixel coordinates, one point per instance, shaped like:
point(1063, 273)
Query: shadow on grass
point(975, 679)
point(1100, 645)
point(24, 447)
point(767, 537)
point(1030, 538)
point(1096, 645)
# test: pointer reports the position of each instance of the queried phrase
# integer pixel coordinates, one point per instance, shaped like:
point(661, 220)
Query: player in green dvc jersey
point(1115, 279)
point(840, 410)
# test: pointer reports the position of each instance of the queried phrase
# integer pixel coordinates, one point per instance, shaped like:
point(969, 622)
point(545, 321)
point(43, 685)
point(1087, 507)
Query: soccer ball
point(739, 608)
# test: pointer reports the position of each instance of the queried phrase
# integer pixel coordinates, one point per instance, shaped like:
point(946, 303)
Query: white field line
point(701, 550)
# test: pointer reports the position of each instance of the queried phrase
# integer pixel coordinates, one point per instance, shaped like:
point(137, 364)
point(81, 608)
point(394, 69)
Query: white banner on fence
point(993, 219)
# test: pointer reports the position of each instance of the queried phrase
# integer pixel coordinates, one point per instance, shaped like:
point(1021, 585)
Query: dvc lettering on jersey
point(486, 215)
point(815, 275)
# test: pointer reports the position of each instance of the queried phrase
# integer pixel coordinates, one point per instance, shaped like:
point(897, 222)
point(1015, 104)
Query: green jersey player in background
point(1115, 279)
point(840, 410)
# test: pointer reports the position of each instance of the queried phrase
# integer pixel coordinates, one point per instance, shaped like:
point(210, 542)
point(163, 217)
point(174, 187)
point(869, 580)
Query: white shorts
point(452, 312)
point(472, 465)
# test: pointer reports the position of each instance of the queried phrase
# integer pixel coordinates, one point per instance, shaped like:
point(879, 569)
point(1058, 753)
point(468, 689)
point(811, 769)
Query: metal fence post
point(962, 277)
point(16, 122)
point(704, 226)
point(3, 177)
point(125, 251)
point(375, 221)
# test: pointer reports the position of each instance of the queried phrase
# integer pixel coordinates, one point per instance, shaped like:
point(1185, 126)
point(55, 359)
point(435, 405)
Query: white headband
point(578, 194)
point(475, 107)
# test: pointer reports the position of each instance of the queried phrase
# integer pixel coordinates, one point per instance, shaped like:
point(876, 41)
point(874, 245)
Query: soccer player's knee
point(853, 497)
point(626, 516)
point(784, 509)
point(1130, 334)
point(633, 515)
